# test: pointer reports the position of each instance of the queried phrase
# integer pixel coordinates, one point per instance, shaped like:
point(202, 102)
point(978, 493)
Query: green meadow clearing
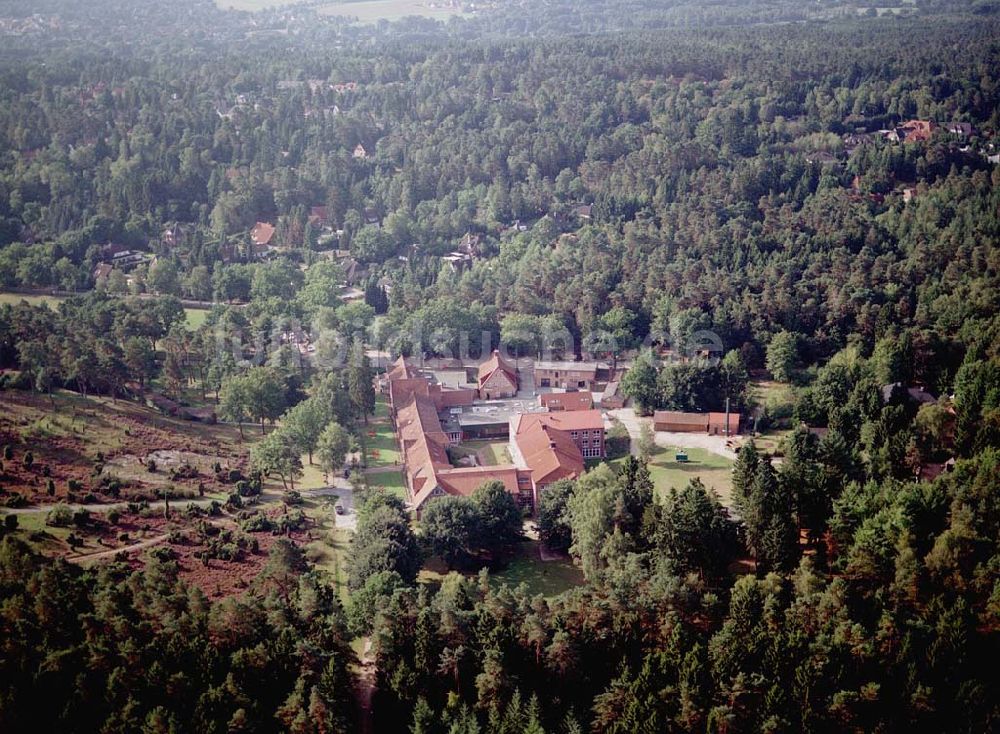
point(195, 316)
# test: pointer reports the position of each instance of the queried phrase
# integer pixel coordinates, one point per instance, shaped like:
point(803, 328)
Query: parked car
point(339, 509)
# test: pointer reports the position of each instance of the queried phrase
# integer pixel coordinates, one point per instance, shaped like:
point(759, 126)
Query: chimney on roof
point(552, 444)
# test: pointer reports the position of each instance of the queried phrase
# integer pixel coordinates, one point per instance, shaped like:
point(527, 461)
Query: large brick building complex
point(545, 447)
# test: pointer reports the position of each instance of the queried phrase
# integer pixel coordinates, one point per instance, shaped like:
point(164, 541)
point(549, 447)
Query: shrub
point(81, 517)
point(122, 537)
point(255, 523)
point(114, 516)
point(59, 516)
point(74, 485)
point(14, 501)
point(8, 452)
point(100, 457)
point(28, 459)
point(235, 475)
point(293, 498)
point(162, 553)
point(10, 523)
point(50, 488)
point(46, 471)
point(291, 521)
point(151, 465)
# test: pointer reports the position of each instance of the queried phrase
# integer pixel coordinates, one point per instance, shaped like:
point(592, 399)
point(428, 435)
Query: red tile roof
point(575, 420)
point(550, 454)
point(493, 364)
point(262, 233)
point(466, 480)
point(423, 442)
point(555, 401)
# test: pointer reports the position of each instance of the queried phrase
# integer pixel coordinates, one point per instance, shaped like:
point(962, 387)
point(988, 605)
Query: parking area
point(344, 497)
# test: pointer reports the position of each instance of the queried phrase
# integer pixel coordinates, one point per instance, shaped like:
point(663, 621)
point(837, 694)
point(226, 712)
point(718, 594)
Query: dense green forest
point(626, 173)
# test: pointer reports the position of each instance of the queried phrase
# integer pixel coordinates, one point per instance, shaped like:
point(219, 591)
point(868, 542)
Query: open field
point(15, 298)
point(195, 316)
point(713, 470)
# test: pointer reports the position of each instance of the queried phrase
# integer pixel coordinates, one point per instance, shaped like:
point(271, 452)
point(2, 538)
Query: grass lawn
point(15, 298)
point(714, 471)
point(312, 477)
point(195, 317)
point(391, 482)
point(488, 453)
point(380, 444)
point(491, 452)
point(329, 554)
point(548, 578)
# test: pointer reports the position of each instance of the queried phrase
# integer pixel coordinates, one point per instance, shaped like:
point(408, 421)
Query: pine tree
point(744, 471)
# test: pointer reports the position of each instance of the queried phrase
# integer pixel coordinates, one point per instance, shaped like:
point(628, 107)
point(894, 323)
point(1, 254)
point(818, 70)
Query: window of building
point(574, 434)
